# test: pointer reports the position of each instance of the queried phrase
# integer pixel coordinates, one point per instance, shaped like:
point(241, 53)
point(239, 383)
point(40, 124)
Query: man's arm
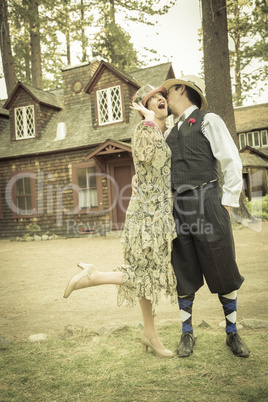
point(226, 152)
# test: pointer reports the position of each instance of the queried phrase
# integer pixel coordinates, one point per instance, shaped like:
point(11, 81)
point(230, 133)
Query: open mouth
point(161, 105)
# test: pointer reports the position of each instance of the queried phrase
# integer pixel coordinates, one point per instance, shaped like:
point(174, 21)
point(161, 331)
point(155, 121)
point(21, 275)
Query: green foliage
point(248, 28)
point(33, 229)
point(68, 24)
point(114, 45)
point(259, 207)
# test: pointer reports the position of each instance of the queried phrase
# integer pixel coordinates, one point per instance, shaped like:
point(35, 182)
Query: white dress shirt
point(225, 151)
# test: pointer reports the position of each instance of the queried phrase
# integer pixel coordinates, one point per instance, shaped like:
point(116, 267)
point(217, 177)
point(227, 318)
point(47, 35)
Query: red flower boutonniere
point(191, 121)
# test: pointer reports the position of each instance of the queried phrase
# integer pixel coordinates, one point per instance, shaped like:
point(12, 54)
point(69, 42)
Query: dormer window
point(109, 105)
point(24, 122)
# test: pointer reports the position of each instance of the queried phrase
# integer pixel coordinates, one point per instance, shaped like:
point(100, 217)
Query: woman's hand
point(148, 114)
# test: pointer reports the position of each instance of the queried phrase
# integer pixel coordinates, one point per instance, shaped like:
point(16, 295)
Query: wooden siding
point(52, 184)
point(255, 182)
point(4, 122)
point(70, 77)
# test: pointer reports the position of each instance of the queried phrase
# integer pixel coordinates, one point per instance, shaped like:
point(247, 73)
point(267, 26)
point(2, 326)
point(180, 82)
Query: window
point(87, 192)
point(264, 138)
point(109, 105)
point(254, 139)
point(22, 188)
point(242, 140)
point(24, 122)
point(250, 139)
point(87, 187)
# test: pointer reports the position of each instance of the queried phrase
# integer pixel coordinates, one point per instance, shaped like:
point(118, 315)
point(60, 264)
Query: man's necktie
point(180, 118)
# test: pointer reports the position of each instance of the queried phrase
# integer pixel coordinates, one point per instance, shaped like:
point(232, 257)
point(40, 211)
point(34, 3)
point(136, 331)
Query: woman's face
point(158, 104)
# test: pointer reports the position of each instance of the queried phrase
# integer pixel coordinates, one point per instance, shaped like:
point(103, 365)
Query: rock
point(37, 337)
point(18, 238)
point(51, 237)
point(138, 325)
point(204, 324)
point(104, 330)
point(37, 238)
point(254, 324)
point(44, 237)
point(29, 238)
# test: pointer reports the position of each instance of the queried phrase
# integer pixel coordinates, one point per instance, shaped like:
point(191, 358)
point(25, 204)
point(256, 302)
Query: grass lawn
point(87, 367)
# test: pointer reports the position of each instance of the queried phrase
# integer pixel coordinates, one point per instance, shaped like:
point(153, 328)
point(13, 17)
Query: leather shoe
point(87, 270)
point(237, 346)
point(162, 353)
point(186, 344)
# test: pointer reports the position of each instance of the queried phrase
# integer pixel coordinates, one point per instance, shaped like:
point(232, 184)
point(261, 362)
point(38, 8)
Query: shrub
point(33, 229)
point(258, 207)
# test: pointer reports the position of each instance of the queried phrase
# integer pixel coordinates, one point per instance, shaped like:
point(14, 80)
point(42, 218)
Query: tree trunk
point(35, 46)
point(217, 72)
point(216, 62)
point(83, 35)
point(6, 52)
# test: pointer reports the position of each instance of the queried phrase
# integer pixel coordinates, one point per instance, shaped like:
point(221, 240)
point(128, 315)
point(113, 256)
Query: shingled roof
point(44, 97)
point(154, 75)
point(249, 118)
point(253, 160)
point(78, 120)
point(124, 76)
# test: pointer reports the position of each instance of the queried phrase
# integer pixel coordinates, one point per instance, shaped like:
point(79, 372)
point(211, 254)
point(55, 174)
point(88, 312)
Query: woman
point(149, 227)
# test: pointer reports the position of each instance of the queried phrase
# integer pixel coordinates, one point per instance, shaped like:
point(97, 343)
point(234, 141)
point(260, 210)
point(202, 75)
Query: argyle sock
point(229, 304)
point(186, 305)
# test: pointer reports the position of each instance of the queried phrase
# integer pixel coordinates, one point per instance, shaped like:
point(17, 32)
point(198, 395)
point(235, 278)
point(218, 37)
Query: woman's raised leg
point(92, 277)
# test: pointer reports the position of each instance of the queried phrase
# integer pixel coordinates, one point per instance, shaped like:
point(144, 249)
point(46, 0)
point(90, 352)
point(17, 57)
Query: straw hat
point(145, 93)
point(191, 81)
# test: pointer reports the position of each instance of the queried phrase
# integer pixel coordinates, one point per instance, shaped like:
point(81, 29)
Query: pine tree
point(217, 72)
point(36, 66)
point(248, 28)
point(6, 52)
point(216, 62)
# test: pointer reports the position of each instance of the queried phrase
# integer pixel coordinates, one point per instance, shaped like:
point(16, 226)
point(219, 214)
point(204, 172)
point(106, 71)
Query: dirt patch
point(34, 276)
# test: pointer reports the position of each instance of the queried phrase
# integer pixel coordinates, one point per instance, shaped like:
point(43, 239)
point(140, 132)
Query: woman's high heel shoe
point(88, 269)
point(162, 353)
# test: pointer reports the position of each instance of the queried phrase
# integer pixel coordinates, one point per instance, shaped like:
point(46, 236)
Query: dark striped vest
point(192, 162)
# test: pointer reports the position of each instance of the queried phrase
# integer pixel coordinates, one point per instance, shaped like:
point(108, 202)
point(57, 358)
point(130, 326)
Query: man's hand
point(228, 209)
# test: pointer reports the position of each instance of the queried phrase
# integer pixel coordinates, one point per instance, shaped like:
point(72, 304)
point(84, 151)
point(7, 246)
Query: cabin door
point(121, 173)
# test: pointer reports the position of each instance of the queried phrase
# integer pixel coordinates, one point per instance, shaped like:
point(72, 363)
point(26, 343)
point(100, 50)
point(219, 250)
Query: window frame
point(108, 89)
point(15, 210)
point(84, 165)
point(253, 139)
point(245, 140)
point(266, 145)
point(24, 107)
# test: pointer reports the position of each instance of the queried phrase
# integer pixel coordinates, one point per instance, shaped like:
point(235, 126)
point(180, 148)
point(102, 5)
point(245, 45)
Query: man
point(204, 247)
